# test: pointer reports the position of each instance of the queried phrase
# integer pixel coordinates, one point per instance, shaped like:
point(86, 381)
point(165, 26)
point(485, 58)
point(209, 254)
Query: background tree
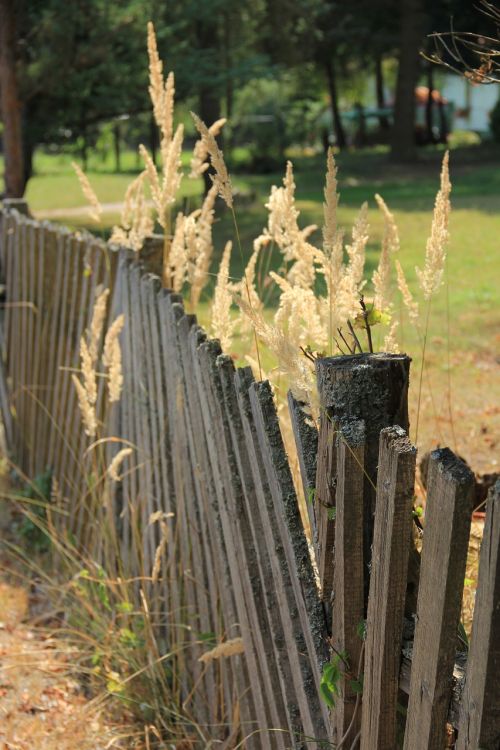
point(10, 104)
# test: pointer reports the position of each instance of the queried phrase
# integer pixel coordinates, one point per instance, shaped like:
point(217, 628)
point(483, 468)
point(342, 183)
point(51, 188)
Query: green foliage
point(373, 317)
point(311, 495)
point(33, 525)
point(463, 138)
point(330, 678)
point(361, 630)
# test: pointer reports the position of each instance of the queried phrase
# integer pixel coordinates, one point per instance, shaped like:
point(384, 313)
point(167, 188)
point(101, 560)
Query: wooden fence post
point(370, 387)
point(348, 601)
point(384, 627)
point(479, 724)
point(444, 553)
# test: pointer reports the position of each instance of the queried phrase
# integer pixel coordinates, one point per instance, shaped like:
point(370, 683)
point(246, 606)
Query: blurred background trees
point(305, 73)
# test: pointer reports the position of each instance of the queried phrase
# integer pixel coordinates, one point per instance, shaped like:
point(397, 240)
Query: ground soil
point(43, 704)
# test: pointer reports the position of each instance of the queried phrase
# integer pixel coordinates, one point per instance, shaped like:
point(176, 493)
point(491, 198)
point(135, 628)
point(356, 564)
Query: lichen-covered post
point(368, 387)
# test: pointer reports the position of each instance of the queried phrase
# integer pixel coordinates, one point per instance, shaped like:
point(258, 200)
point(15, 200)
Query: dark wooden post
point(372, 388)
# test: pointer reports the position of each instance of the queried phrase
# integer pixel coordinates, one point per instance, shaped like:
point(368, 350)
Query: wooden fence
point(349, 640)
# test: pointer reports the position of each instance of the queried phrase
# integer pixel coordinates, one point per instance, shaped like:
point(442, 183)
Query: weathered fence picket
point(389, 566)
point(348, 577)
point(444, 554)
point(479, 724)
point(206, 516)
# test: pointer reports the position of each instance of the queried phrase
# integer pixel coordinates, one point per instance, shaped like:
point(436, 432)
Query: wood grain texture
point(306, 442)
point(348, 578)
point(388, 580)
point(444, 554)
point(300, 584)
point(479, 725)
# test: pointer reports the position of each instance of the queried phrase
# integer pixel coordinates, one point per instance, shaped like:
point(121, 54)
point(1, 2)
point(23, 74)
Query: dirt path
point(42, 704)
point(61, 213)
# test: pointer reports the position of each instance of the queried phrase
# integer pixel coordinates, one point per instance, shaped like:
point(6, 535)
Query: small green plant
point(36, 495)
point(330, 678)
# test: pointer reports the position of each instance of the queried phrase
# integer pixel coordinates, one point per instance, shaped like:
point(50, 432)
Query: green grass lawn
point(470, 300)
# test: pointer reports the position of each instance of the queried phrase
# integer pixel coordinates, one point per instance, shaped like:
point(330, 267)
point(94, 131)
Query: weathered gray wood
point(266, 541)
point(231, 593)
point(36, 465)
point(205, 553)
point(193, 481)
point(57, 406)
point(255, 582)
point(389, 566)
point(22, 333)
point(299, 582)
point(371, 387)
point(306, 441)
point(30, 344)
point(444, 554)
point(348, 578)
point(231, 507)
point(324, 503)
point(479, 725)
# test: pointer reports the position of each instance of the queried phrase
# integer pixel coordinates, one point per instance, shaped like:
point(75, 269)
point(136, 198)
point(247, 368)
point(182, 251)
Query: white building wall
point(473, 104)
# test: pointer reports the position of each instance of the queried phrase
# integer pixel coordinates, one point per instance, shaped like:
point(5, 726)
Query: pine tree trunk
point(412, 28)
point(338, 128)
point(10, 104)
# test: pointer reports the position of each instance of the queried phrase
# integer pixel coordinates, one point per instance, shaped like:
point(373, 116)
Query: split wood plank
point(189, 478)
point(231, 509)
point(299, 582)
point(389, 567)
point(479, 725)
point(348, 579)
point(444, 554)
point(208, 351)
point(252, 571)
point(192, 524)
point(259, 508)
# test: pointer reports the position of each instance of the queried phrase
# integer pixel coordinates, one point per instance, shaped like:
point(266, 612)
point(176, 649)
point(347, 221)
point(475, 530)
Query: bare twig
point(351, 351)
point(367, 325)
point(353, 334)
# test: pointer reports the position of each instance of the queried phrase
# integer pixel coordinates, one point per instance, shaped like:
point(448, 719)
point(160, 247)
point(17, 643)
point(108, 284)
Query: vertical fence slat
point(306, 442)
point(255, 581)
point(36, 465)
point(444, 553)
point(479, 723)
point(193, 488)
point(31, 343)
point(348, 578)
point(388, 580)
point(205, 591)
point(310, 636)
point(231, 595)
point(57, 404)
point(259, 505)
point(231, 509)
